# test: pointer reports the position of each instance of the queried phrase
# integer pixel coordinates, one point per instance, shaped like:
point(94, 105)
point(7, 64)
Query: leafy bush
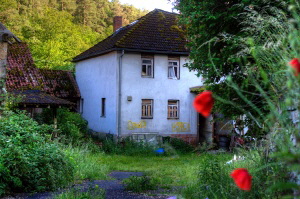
point(140, 184)
point(70, 124)
point(179, 145)
point(28, 161)
point(127, 147)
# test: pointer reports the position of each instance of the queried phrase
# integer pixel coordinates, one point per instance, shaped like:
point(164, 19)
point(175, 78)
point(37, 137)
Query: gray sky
point(150, 4)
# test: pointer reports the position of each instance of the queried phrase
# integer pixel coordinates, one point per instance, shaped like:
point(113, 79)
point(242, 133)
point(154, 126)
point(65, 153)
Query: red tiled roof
point(23, 75)
point(155, 32)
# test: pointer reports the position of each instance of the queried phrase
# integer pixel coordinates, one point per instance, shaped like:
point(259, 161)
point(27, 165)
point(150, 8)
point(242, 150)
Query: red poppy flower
point(242, 178)
point(295, 64)
point(203, 103)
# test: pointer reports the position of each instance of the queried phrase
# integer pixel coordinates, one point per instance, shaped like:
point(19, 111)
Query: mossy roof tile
point(23, 75)
point(155, 32)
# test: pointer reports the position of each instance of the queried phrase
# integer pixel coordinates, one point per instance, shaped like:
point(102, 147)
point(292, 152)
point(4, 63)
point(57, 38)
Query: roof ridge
point(166, 11)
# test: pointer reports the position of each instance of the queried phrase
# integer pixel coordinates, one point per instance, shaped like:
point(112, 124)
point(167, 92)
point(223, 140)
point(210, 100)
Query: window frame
point(147, 65)
point(169, 116)
point(151, 109)
point(176, 77)
point(103, 107)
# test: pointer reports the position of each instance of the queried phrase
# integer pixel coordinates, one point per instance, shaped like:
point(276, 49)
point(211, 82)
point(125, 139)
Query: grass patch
point(91, 193)
point(140, 183)
point(169, 171)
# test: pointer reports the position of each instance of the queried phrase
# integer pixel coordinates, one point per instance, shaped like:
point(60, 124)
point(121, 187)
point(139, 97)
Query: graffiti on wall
point(136, 125)
point(181, 127)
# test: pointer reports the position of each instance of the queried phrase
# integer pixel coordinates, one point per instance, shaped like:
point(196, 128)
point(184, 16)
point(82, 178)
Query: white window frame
point(173, 109)
point(149, 72)
point(171, 69)
point(147, 109)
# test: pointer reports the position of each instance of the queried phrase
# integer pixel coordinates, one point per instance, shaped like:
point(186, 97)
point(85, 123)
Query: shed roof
point(155, 32)
point(38, 98)
point(23, 75)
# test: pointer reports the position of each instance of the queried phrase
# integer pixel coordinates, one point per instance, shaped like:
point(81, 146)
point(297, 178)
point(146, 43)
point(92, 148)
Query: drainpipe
point(119, 92)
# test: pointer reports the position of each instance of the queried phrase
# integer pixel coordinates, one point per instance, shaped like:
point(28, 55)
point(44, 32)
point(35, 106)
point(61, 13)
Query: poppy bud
point(203, 103)
point(295, 64)
point(242, 178)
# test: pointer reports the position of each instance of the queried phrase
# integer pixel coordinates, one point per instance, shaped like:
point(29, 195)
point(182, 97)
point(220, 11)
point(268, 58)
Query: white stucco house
point(134, 82)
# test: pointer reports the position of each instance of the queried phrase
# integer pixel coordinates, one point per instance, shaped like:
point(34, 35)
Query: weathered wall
point(160, 89)
point(97, 78)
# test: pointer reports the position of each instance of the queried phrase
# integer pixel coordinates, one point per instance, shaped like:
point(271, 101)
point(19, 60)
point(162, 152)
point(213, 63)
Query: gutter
point(119, 92)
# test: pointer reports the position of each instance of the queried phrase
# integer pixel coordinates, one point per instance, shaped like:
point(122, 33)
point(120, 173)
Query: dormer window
point(147, 66)
point(173, 68)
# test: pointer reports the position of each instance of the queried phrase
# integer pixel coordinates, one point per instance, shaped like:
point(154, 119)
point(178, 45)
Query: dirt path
point(114, 189)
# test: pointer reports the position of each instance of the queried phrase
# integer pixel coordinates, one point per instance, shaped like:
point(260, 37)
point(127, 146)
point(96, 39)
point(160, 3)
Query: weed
point(140, 184)
point(92, 193)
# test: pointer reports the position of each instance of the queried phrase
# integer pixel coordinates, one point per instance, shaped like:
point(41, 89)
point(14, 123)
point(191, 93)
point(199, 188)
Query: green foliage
point(214, 179)
point(273, 42)
point(86, 158)
point(29, 162)
point(140, 184)
point(217, 35)
point(70, 124)
point(127, 147)
point(58, 30)
point(93, 192)
point(179, 145)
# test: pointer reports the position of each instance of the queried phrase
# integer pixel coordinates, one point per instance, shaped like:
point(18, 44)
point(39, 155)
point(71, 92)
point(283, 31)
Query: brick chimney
point(117, 22)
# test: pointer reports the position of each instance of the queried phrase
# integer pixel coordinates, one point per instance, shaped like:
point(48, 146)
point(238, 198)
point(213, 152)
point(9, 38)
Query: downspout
point(119, 92)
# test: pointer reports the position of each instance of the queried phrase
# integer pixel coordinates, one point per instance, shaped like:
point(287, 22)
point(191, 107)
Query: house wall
point(97, 79)
point(160, 89)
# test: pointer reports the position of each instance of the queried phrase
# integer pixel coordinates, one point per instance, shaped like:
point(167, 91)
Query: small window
point(173, 109)
point(147, 108)
point(81, 105)
point(173, 69)
point(103, 107)
point(147, 67)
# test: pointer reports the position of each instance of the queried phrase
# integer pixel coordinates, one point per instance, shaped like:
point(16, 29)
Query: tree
point(217, 38)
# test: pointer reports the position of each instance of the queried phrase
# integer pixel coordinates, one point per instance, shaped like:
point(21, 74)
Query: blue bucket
point(160, 151)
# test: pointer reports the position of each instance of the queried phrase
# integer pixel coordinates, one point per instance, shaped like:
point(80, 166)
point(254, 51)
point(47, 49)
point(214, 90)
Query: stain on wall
point(181, 127)
point(136, 125)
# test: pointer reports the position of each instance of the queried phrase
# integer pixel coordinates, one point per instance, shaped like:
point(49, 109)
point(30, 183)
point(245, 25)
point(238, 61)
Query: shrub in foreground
point(28, 160)
point(214, 179)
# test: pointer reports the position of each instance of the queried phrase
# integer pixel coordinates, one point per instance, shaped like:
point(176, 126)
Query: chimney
point(117, 22)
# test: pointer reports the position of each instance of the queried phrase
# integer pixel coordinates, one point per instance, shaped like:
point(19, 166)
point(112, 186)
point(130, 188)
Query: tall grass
point(214, 179)
point(87, 162)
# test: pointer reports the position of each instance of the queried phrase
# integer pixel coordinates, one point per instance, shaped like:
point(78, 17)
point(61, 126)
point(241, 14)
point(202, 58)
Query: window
point(173, 70)
point(147, 108)
point(173, 67)
point(173, 109)
point(147, 67)
point(103, 107)
point(81, 105)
